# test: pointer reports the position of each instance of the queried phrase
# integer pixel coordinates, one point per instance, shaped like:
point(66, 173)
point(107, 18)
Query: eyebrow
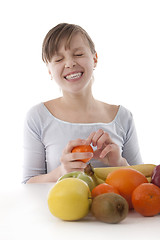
point(57, 53)
point(79, 48)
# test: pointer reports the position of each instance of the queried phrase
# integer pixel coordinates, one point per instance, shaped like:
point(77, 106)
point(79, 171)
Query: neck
point(80, 101)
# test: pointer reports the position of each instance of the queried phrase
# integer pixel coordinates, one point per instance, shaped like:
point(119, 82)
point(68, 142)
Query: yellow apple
point(69, 199)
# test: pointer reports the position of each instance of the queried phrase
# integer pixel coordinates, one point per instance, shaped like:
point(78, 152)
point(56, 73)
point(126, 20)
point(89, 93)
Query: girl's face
point(72, 68)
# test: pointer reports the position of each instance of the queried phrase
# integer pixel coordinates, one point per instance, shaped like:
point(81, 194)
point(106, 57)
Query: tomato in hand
point(83, 148)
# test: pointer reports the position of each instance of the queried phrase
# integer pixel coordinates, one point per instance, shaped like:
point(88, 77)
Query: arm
point(131, 150)
point(69, 162)
point(49, 177)
point(34, 151)
point(34, 166)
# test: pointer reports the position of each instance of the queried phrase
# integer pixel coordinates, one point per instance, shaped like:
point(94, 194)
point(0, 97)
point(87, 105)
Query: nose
point(70, 63)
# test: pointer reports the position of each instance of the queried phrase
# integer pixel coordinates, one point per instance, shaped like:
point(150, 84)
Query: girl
point(55, 127)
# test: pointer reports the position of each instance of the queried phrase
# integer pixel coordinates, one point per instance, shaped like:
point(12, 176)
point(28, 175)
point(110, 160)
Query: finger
point(75, 170)
point(73, 143)
point(96, 136)
point(97, 153)
point(76, 165)
point(109, 148)
point(89, 139)
point(104, 139)
point(78, 156)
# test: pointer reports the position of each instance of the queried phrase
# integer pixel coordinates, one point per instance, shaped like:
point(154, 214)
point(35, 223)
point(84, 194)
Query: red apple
point(156, 176)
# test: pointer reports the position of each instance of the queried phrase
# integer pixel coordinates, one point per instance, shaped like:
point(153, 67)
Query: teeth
point(73, 76)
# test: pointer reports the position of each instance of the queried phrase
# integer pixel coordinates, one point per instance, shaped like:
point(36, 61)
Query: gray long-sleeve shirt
point(45, 137)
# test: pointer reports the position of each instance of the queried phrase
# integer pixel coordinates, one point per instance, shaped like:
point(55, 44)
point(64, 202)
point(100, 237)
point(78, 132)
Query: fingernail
point(101, 156)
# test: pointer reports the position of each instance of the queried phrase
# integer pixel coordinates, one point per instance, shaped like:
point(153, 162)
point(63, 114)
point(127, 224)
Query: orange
point(103, 188)
point(126, 180)
point(83, 148)
point(146, 199)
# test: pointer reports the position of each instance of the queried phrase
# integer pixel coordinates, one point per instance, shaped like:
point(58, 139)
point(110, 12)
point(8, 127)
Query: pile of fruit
point(107, 193)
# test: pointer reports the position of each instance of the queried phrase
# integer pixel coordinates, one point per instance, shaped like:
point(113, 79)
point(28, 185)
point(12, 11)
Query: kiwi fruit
point(109, 207)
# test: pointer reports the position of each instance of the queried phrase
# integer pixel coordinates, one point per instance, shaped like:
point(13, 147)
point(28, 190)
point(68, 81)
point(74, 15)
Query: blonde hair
point(57, 34)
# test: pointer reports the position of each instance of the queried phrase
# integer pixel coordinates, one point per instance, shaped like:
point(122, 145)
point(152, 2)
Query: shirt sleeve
point(34, 150)
point(131, 150)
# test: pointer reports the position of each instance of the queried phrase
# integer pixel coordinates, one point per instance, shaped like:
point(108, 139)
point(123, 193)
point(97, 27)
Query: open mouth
point(74, 76)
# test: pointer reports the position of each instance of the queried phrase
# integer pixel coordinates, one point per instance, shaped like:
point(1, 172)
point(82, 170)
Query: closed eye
point(79, 55)
point(58, 60)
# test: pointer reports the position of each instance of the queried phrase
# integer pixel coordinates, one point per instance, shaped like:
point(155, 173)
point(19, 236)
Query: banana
point(146, 169)
point(97, 180)
point(149, 179)
point(89, 170)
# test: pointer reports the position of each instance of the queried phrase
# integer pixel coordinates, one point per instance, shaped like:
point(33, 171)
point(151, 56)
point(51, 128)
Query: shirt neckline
point(87, 124)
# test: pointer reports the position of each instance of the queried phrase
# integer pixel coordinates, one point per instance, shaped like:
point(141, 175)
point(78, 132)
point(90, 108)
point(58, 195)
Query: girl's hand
point(107, 151)
point(69, 161)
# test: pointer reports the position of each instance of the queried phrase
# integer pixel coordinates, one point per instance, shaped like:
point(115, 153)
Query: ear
point(47, 65)
point(95, 58)
point(49, 71)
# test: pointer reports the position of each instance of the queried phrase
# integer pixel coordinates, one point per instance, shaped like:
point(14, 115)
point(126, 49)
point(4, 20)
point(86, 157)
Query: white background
point(127, 38)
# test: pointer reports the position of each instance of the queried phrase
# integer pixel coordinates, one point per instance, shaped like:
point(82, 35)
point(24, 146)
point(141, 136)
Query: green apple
point(69, 199)
point(80, 175)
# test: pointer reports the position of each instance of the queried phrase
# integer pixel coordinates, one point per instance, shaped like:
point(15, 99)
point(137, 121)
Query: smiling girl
point(54, 128)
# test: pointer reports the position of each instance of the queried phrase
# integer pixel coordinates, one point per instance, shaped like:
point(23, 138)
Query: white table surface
point(24, 215)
